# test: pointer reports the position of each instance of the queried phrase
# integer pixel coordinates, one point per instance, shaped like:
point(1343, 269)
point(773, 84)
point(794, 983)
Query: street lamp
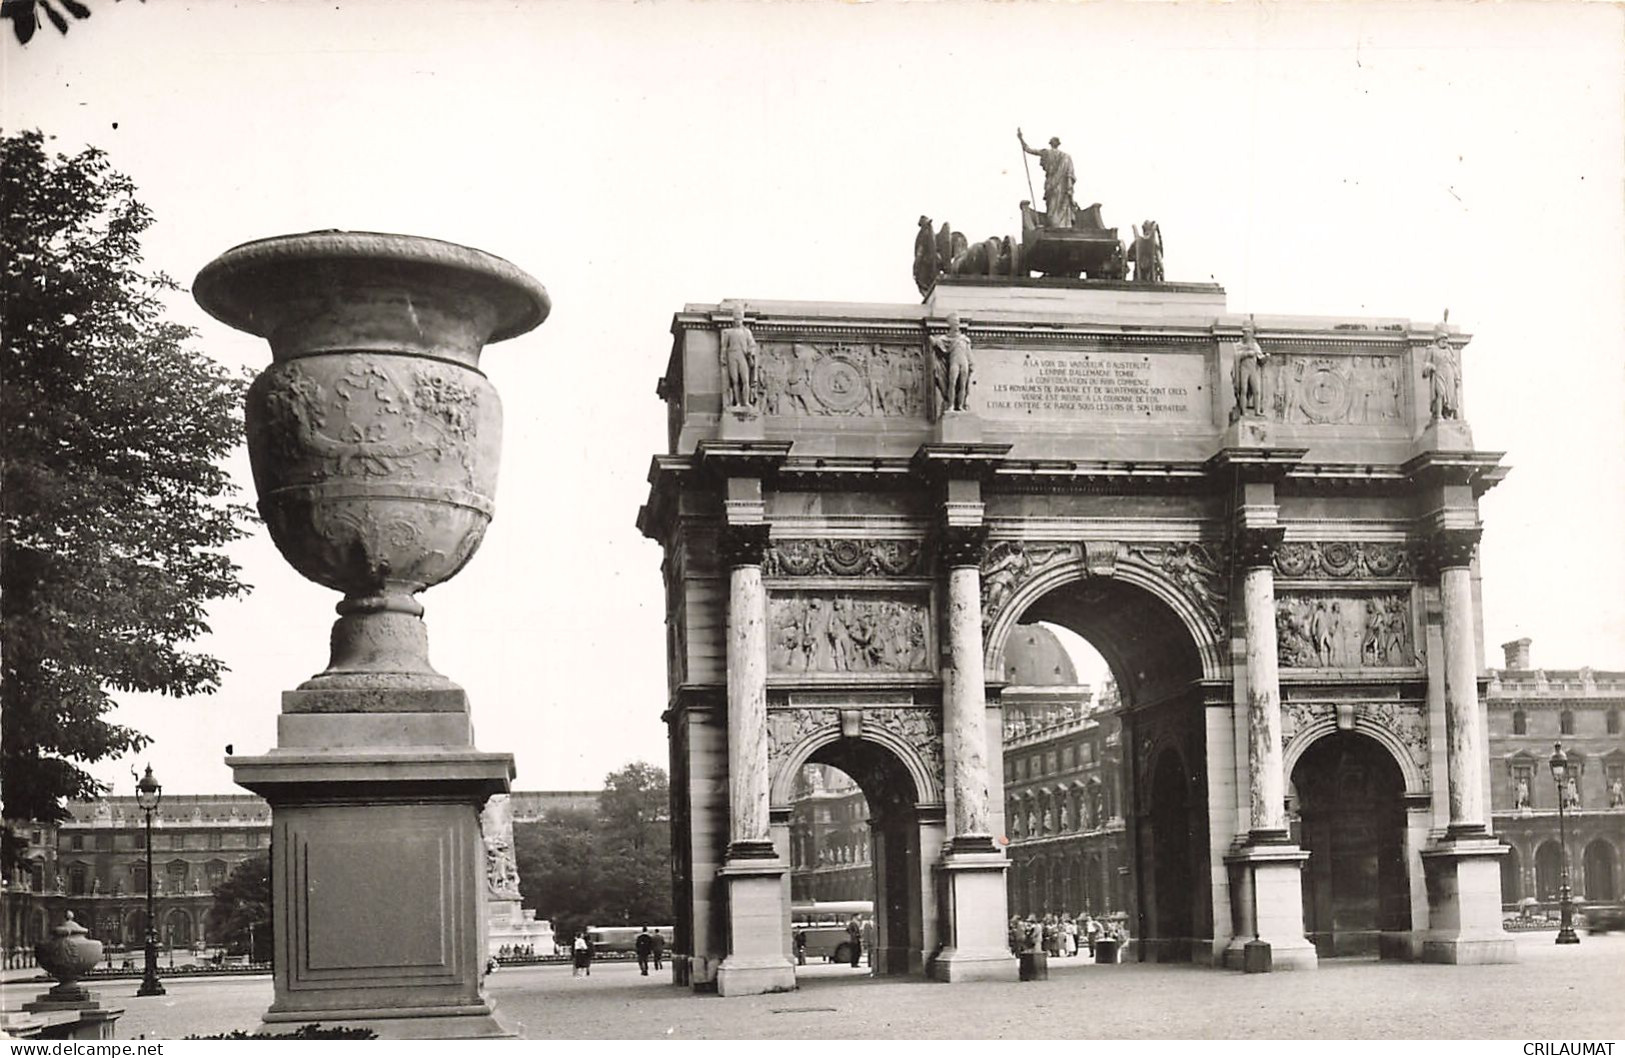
point(147, 795)
point(1560, 772)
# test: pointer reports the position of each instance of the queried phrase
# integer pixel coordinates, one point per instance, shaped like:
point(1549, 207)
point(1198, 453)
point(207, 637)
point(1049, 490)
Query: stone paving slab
point(1554, 993)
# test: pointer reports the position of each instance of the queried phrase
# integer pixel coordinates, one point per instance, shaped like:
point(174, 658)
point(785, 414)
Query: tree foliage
point(611, 866)
point(240, 918)
point(24, 15)
point(114, 508)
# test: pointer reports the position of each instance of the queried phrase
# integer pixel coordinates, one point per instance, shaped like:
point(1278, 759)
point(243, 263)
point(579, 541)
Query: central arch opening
point(1105, 798)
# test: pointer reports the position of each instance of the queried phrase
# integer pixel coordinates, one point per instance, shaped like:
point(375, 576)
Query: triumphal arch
point(1267, 526)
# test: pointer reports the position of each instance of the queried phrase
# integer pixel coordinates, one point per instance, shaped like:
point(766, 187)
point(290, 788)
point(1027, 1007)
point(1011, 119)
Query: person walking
point(1091, 932)
point(869, 944)
point(799, 939)
point(854, 939)
point(644, 946)
point(659, 946)
point(581, 954)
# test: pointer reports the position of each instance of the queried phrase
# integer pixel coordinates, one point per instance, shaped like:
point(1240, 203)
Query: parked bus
point(622, 940)
point(823, 925)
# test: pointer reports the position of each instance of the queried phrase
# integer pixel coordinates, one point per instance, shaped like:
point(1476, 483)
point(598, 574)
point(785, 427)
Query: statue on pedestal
point(926, 263)
point(738, 354)
point(1444, 380)
point(953, 372)
point(1147, 253)
point(1249, 375)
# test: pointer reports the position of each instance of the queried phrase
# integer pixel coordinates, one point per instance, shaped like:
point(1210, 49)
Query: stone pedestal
point(958, 427)
point(1446, 435)
point(1248, 433)
point(1272, 891)
point(378, 884)
point(977, 946)
point(1464, 903)
point(756, 962)
point(740, 424)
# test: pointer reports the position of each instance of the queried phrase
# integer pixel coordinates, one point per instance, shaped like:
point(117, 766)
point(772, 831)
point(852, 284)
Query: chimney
point(1517, 653)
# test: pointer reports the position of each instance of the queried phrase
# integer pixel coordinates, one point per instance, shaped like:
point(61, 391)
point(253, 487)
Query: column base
point(756, 962)
point(1275, 871)
point(1464, 898)
point(977, 922)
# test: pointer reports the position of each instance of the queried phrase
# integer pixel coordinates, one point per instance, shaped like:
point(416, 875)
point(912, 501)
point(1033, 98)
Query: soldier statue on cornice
point(739, 354)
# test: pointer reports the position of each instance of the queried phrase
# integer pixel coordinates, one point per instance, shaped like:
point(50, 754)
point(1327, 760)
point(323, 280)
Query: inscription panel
point(1068, 386)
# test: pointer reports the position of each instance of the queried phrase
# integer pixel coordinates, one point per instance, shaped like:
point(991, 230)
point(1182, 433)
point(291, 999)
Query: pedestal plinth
point(978, 946)
point(1274, 873)
point(1464, 903)
point(378, 874)
point(756, 962)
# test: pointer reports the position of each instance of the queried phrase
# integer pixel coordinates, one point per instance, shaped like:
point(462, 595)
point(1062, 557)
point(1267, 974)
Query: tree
point(114, 508)
point(634, 812)
point(609, 867)
point(241, 916)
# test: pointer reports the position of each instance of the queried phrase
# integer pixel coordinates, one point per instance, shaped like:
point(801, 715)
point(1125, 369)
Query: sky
point(1331, 159)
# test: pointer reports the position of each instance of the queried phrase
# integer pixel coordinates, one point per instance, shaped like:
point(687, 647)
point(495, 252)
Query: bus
point(823, 924)
point(622, 940)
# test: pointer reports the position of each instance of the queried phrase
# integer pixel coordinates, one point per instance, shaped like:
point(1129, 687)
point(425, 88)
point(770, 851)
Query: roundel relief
point(839, 382)
point(1326, 395)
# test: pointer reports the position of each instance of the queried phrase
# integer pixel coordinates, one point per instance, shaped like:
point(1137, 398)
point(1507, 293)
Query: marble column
point(964, 711)
point(1463, 872)
point(1266, 815)
point(1269, 863)
point(749, 836)
point(753, 872)
point(1465, 751)
point(976, 947)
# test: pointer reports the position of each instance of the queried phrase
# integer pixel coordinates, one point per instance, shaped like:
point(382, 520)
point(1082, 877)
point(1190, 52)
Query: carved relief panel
point(833, 632)
point(1338, 560)
point(1193, 569)
point(1403, 721)
point(917, 727)
point(882, 380)
point(1333, 390)
point(843, 558)
point(1345, 630)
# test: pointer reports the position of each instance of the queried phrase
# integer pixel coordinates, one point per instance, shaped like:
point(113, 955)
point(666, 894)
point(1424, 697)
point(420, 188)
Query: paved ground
point(1554, 993)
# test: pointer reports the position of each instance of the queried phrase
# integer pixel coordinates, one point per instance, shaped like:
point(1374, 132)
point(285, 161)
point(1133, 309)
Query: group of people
point(1062, 936)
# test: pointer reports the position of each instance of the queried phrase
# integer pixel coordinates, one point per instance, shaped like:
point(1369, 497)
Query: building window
point(1565, 722)
point(1066, 757)
point(214, 839)
point(141, 839)
point(1520, 722)
point(104, 843)
point(77, 843)
point(1033, 768)
point(76, 880)
point(253, 839)
point(1613, 721)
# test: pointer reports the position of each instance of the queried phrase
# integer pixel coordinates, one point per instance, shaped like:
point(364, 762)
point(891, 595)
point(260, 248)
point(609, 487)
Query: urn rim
point(232, 286)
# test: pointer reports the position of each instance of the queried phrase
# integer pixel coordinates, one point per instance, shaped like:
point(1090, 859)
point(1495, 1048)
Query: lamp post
point(147, 795)
point(1560, 771)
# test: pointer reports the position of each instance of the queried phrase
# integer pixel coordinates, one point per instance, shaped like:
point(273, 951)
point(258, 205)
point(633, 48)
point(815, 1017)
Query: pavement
point(1553, 993)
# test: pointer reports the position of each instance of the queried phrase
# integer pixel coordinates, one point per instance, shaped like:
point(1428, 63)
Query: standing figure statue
point(926, 265)
point(738, 355)
point(953, 367)
point(1444, 381)
point(1148, 253)
point(1249, 373)
point(1058, 181)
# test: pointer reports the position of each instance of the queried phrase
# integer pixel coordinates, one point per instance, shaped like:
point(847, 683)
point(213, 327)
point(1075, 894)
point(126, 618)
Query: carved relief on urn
point(374, 437)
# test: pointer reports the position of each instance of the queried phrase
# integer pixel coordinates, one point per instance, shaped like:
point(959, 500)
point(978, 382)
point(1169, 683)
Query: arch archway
point(178, 928)
point(1511, 876)
point(1548, 870)
point(889, 845)
point(1350, 794)
point(1601, 882)
point(1156, 635)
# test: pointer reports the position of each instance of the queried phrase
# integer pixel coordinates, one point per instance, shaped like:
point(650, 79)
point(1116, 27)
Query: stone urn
point(69, 954)
point(374, 437)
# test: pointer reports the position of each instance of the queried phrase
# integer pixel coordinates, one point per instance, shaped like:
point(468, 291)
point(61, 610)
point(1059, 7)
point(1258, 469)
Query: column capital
point(962, 545)
point(742, 545)
point(1449, 548)
point(1255, 545)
